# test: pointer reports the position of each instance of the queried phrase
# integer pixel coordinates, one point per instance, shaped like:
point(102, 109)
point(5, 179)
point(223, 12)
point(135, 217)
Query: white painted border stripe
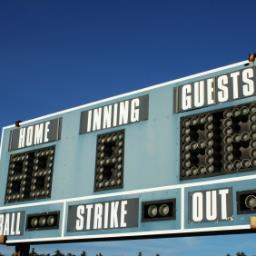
point(182, 209)
point(134, 92)
point(32, 204)
point(1, 144)
point(130, 234)
point(134, 192)
point(64, 217)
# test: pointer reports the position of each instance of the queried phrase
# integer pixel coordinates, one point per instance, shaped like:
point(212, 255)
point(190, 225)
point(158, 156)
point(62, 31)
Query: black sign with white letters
point(210, 205)
point(235, 85)
point(36, 134)
point(113, 115)
point(12, 223)
point(103, 215)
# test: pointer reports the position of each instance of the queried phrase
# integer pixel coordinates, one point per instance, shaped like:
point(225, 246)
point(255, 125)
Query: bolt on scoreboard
point(176, 158)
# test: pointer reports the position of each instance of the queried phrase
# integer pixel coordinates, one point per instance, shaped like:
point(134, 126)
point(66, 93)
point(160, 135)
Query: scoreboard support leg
point(22, 250)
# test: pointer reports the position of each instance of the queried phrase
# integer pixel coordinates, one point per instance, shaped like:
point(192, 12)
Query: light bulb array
point(219, 142)
point(109, 161)
point(30, 175)
point(158, 210)
point(40, 221)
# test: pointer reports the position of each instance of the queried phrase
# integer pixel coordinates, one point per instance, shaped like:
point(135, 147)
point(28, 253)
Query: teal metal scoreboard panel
point(177, 158)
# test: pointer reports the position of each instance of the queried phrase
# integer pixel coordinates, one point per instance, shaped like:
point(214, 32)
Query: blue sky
point(59, 54)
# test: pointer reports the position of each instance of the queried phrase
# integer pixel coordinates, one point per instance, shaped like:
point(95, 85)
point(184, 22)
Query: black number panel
point(219, 142)
point(30, 175)
point(109, 161)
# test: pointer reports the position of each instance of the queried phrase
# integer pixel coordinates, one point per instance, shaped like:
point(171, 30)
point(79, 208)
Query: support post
point(22, 250)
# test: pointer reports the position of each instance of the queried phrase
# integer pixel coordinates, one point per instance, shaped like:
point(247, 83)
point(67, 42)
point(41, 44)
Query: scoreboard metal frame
point(140, 164)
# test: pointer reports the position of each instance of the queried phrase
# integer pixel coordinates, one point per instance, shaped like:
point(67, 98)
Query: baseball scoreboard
point(176, 158)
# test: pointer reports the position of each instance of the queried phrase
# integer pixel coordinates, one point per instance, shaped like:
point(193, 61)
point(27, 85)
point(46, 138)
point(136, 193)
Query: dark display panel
point(246, 201)
point(219, 142)
point(30, 175)
point(109, 161)
point(159, 210)
point(40, 221)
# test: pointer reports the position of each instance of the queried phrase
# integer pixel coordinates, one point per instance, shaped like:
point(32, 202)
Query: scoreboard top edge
point(175, 83)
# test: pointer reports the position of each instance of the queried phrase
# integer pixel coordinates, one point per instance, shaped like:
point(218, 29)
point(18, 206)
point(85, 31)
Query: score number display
point(30, 175)
point(218, 143)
